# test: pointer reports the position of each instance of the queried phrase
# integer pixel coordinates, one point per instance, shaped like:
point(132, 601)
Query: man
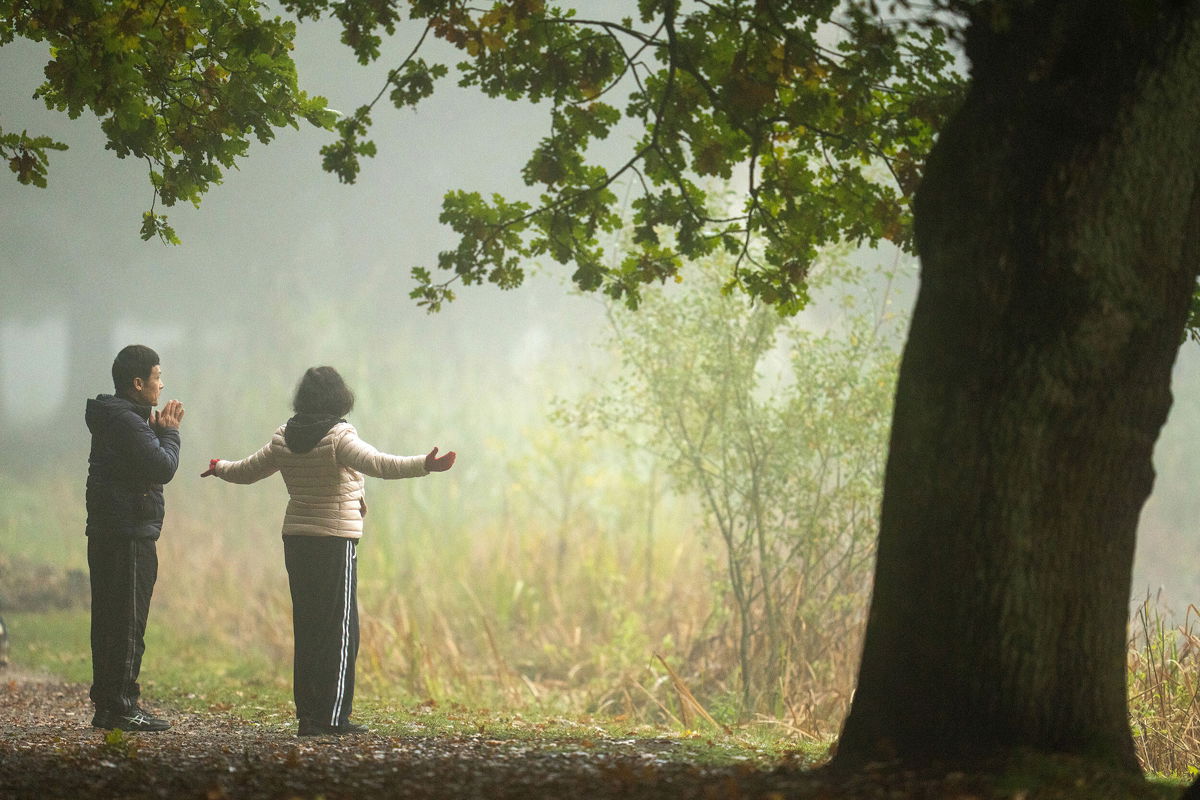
point(135, 450)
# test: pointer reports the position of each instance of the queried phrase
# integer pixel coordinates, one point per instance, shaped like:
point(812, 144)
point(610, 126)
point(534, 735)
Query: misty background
point(282, 268)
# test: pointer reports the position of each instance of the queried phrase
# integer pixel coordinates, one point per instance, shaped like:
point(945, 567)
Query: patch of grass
point(177, 662)
point(1164, 690)
point(52, 643)
point(53, 507)
point(182, 672)
point(1038, 775)
point(429, 718)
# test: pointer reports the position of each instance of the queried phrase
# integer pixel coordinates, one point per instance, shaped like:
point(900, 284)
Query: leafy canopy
point(182, 85)
point(821, 112)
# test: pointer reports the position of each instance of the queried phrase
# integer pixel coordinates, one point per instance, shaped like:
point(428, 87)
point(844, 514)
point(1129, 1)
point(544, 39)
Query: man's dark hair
point(322, 391)
point(134, 361)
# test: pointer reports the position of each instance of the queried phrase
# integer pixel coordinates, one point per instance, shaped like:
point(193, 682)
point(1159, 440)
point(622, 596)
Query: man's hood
point(103, 407)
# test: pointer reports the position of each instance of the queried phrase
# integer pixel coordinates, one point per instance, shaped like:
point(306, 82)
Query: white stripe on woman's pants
point(345, 652)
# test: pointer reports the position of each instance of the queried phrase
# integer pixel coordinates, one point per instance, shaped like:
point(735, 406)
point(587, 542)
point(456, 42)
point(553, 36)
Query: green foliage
point(155, 225)
point(781, 433)
point(1192, 330)
point(824, 110)
point(182, 85)
point(118, 744)
point(27, 156)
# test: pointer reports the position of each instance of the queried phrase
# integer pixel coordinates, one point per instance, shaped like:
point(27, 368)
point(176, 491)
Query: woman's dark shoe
point(310, 728)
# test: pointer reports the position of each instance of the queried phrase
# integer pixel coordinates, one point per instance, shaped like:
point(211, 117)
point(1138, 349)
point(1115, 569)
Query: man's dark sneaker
point(137, 720)
point(310, 728)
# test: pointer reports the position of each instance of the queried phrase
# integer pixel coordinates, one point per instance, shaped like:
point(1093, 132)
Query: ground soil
point(48, 749)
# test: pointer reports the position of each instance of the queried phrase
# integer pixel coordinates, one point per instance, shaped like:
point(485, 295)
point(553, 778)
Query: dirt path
point(48, 749)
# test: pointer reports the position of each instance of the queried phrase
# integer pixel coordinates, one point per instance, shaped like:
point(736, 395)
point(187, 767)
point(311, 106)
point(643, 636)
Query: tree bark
point(1058, 225)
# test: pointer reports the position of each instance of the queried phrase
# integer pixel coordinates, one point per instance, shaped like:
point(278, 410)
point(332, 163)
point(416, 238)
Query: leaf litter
point(49, 749)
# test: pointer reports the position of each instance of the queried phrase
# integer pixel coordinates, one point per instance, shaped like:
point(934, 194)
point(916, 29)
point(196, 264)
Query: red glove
point(212, 468)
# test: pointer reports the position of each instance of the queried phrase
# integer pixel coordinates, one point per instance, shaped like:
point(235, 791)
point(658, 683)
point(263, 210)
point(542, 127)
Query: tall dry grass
point(503, 614)
point(1164, 689)
point(512, 615)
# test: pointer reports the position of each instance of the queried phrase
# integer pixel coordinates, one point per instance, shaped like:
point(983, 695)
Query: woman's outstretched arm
point(248, 470)
point(353, 452)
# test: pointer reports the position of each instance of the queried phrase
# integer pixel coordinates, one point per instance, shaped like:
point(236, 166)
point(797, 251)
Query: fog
point(282, 268)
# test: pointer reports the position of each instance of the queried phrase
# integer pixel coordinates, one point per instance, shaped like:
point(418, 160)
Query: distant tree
point(780, 433)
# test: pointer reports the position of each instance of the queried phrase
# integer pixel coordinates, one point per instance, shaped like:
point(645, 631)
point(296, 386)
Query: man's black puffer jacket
point(128, 465)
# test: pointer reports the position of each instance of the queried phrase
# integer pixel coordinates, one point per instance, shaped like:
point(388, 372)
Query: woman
point(323, 462)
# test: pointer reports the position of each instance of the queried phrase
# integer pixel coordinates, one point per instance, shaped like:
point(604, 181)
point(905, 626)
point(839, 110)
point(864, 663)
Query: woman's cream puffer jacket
point(326, 483)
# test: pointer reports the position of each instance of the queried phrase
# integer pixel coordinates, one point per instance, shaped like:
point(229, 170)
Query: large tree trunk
point(1059, 231)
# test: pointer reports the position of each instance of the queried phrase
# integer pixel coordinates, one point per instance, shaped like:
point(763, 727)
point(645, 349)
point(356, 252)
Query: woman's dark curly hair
point(322, 391)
